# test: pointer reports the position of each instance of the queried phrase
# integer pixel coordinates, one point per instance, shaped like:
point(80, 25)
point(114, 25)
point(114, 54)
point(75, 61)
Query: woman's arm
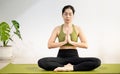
point(83, 43)
point(51, 41)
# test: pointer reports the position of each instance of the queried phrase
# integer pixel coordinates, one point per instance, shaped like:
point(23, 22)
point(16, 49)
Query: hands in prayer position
point(68, 38)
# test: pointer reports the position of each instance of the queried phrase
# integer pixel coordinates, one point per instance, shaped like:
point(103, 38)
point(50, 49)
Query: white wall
point(99, 19)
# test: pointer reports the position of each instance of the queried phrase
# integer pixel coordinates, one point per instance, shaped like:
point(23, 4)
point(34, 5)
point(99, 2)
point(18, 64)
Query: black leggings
point(66, 56)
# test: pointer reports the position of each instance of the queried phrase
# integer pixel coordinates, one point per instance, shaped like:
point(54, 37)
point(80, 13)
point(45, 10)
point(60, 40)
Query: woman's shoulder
point(57, 28)
point(77, 27)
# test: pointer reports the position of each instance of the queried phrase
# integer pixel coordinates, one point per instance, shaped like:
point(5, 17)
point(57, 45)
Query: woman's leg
point(50, 63)
point(85, 64)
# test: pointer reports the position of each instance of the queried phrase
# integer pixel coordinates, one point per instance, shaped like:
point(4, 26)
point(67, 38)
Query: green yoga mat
point(33, 68)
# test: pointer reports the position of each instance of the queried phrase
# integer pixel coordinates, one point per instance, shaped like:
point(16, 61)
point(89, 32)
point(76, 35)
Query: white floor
point(18, 60)
point(3, 63)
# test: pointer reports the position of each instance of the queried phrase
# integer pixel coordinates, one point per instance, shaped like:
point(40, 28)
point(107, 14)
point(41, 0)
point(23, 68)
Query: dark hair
point(68, 6)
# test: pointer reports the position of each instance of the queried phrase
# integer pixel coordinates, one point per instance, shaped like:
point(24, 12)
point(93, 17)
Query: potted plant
point(6, 34)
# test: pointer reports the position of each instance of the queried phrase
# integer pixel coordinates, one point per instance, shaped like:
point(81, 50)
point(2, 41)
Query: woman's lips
point(67, 19)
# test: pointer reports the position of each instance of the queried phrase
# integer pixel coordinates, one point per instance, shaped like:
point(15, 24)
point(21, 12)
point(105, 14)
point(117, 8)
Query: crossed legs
point(69, 64)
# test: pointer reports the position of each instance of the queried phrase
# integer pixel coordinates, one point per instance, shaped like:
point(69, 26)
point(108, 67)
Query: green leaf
point(4, 32)
point(16, 26)
point(11, 39)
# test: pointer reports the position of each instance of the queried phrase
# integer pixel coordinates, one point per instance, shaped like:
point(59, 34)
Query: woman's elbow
point(86, 46)
point(49, 46)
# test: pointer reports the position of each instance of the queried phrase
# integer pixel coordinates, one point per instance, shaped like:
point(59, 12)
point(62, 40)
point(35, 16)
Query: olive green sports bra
point(61, 36)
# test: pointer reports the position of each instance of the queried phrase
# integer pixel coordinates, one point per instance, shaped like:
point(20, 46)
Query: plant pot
point(6, 52)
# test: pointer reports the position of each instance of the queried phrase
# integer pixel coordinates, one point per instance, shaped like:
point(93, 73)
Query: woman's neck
point(67, 24)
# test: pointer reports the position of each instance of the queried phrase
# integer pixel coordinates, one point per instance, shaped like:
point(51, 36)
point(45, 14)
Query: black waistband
point(67, 53)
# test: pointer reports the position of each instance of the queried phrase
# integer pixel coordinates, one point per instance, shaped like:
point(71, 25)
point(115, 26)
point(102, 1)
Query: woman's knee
point(45, 63)
point(97, 62)
point(42, 62)
point(94, 63)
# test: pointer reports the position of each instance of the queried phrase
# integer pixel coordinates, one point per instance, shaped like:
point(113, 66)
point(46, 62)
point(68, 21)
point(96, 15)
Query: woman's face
point(68, 15)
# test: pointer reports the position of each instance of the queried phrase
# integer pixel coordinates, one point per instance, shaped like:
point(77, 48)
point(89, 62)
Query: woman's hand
point(67, 37)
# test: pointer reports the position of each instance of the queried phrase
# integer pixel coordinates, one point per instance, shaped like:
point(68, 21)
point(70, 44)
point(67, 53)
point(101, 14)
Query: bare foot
point(59, 69)
point(68, 67)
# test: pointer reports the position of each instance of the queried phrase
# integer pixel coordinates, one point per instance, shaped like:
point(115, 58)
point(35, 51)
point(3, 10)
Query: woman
point(67, 58)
